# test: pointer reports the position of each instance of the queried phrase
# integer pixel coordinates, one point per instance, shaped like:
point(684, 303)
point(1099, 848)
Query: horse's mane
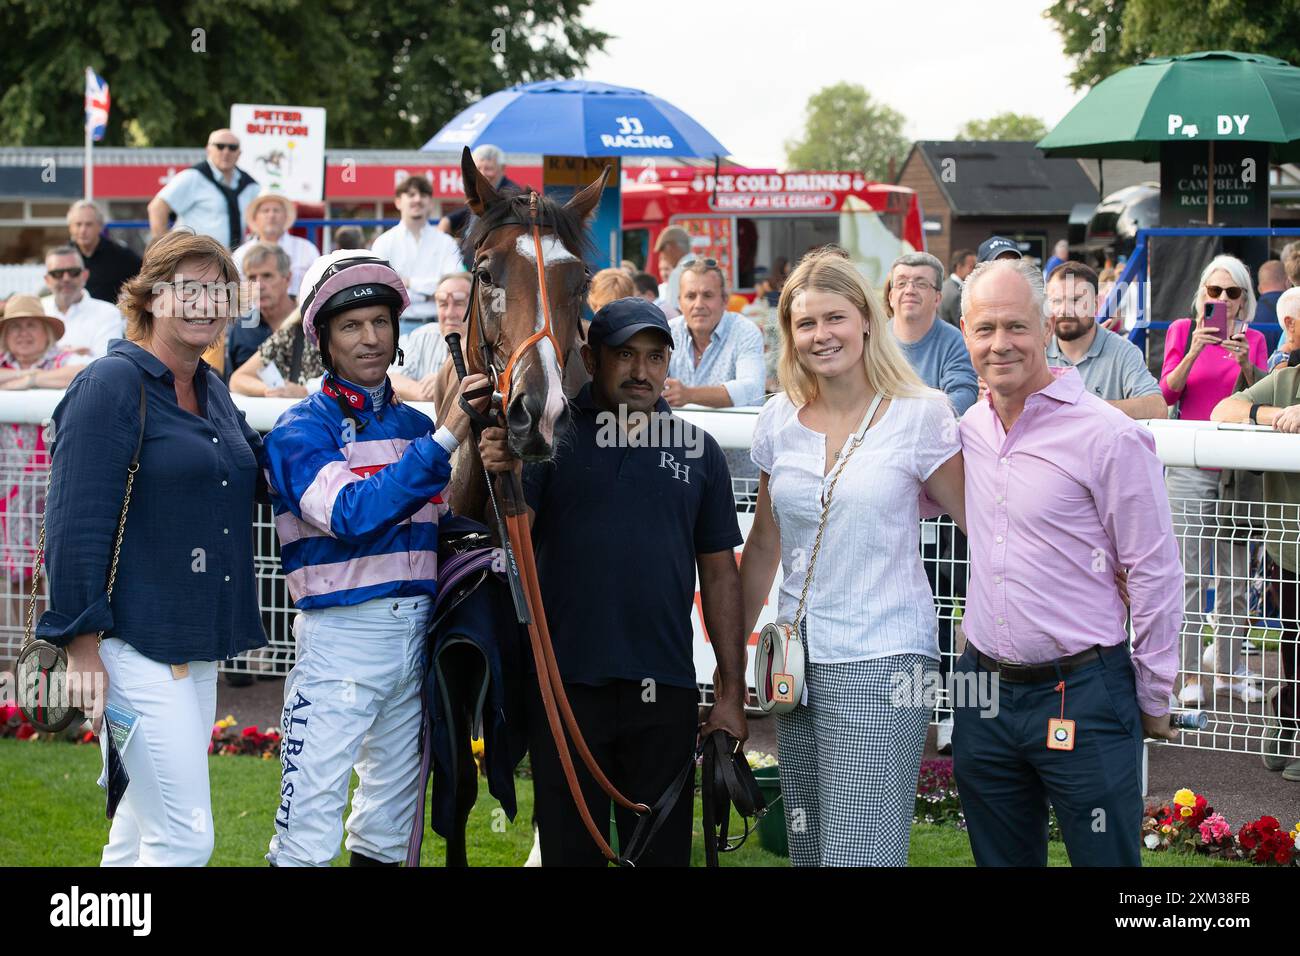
point(567, 224)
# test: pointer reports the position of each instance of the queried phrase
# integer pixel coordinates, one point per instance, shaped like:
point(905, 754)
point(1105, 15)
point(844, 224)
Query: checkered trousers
point(849, 763)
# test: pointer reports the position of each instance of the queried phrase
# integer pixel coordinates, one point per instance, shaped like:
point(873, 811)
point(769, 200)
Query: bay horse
point(530, 279)
point(507, 298)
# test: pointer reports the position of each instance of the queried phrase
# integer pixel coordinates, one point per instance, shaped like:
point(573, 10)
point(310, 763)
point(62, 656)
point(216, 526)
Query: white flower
point(758, 760)
point(1151, 840)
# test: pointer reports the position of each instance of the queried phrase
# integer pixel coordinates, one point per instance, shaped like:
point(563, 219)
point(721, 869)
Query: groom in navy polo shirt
point(633, 503)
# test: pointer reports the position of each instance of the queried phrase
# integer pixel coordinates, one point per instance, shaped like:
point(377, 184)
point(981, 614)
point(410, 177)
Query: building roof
point(1116, 174)
point(999, 178)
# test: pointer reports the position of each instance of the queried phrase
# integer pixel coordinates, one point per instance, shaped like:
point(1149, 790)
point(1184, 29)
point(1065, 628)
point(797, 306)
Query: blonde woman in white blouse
point(850, 755)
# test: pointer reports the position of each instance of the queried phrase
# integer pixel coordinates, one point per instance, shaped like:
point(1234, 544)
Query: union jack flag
point(97, 103)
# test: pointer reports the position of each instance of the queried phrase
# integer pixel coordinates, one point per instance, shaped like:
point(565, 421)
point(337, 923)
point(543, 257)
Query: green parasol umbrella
point(1215, 95)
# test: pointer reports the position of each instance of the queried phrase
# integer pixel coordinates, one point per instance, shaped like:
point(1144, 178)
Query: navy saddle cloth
point(475, 676)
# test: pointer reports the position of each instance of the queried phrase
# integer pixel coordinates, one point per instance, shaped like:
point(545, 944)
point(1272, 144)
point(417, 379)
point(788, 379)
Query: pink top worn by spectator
point(1073, 491)
point(1214, 373)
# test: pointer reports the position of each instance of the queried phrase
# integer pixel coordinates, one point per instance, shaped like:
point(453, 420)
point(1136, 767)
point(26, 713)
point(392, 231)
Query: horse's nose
point(530, 437)
point(523, 415)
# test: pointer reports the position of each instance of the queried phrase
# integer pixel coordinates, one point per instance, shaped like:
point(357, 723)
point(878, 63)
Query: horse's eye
point(483, 275)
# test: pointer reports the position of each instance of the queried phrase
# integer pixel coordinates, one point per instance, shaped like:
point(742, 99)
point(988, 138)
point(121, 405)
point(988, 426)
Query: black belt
point(1038, 673)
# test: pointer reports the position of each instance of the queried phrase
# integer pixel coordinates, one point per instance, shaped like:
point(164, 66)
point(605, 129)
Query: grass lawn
point(62, 822)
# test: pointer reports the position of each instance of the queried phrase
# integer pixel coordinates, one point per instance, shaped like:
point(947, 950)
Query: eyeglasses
point(233, 147)
point(60, 273)
point(190, 290)
point(455, 298)
point(1214, 291)
point(920, 285)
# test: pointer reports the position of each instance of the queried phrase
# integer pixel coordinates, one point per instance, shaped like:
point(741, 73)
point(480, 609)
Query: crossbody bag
point(43, 667)
point(779, 658)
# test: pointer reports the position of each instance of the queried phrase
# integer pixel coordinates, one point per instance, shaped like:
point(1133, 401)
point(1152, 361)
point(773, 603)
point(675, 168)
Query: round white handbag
point(779, 657)
point(778, 669)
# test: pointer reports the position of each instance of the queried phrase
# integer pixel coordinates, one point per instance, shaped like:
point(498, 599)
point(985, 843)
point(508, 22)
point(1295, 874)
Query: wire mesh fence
point(1238, 644)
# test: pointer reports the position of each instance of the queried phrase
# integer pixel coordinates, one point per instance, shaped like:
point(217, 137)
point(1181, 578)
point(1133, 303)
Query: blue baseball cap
point(621, 319)
point(995, 246)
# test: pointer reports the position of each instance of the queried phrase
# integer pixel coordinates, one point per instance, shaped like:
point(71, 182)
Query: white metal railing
point(1244, 631)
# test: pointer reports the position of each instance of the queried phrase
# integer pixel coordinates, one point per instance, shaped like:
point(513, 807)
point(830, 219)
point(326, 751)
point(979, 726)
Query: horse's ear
point(478, 191)
point(585, 201)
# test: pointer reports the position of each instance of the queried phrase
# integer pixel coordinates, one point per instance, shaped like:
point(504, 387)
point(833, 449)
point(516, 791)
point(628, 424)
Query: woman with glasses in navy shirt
point(184, 596)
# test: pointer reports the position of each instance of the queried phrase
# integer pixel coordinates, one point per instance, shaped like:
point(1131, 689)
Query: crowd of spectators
point(1233, 358)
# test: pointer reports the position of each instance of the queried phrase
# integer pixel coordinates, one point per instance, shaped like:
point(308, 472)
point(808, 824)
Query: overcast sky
point(745, 69)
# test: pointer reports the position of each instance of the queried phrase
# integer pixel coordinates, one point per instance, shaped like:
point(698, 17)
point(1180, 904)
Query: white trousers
point(351, 700)
point(165, 817)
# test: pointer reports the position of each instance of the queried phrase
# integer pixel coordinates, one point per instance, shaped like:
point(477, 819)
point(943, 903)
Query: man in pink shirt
point(1061, 490)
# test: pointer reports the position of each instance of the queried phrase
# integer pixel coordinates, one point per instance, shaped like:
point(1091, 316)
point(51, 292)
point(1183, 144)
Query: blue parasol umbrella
point(577, 118)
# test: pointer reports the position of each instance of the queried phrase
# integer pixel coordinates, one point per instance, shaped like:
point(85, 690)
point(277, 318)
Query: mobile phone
point(1215, 318)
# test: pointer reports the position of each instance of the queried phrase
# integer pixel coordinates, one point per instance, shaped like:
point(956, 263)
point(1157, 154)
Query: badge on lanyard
point(783, 688)
point(1060, 732)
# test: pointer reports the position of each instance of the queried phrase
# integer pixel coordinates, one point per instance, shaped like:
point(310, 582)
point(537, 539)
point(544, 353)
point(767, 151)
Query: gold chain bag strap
point(43, 667)
point(779, 658)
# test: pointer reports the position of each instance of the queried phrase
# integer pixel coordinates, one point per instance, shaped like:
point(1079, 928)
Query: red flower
point(1283, 854)
point(1199, 812)
point(249, 731)
point(25, 731)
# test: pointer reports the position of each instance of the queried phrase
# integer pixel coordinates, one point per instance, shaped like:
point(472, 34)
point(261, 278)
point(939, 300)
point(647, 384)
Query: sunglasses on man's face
point(233, 147)
point(1214, 291)
point(60, 273)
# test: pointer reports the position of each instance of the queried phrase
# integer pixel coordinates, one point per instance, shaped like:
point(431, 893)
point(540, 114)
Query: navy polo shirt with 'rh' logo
point(617, 532)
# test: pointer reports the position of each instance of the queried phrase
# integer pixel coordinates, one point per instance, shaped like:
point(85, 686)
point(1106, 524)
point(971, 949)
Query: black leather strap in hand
point(478, 420)
point(650, 823)
point(725, 780)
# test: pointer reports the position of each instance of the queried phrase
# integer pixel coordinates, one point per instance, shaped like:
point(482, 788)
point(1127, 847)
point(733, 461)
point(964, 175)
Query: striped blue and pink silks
point(357, 509)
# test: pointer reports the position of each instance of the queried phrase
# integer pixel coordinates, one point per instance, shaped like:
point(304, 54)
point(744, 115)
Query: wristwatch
point(1254, 410)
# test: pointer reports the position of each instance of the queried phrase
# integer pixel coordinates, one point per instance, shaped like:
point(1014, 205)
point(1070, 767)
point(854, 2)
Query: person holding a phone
point(1207, 358)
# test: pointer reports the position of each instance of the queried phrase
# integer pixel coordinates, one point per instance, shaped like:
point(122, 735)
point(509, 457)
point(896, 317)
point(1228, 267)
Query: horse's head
point(530, 280)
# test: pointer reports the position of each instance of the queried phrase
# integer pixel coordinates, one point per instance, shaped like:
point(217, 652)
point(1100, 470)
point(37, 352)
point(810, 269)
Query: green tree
point(1004, 126)
point(1105, 36)
point(1091, 34)
point(389, 74)
point(846, 130)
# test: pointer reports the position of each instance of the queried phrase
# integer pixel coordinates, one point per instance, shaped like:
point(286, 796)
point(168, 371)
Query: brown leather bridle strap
point(547, 331)
point(557, 682)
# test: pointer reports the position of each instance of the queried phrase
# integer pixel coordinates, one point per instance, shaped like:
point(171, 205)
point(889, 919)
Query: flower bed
point(227, 738)
point(1188, 824)
point(936, 795)
point(229, 741)
point(13, 724)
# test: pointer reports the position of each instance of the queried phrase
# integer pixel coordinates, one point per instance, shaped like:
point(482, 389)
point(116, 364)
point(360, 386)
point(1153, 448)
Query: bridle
point(502, 379)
